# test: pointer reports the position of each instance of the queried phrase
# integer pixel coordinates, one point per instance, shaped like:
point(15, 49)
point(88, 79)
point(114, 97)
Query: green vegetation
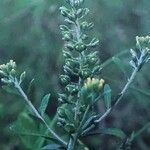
point(99, 96)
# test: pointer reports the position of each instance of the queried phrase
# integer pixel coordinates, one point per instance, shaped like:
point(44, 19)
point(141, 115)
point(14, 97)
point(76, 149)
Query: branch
point(18, 87)
point(120, 96)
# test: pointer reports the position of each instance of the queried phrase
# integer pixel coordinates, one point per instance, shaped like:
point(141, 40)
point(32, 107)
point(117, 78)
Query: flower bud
point(67, 36)
point(143, 43)
point(70, 47)
point(70, 128)
point(67, 54)
point(65, 79)
point(94, 43)
point(3, 73)
point(22, 76)
point(72, 89)
point(85, 73)
point(13, 73)
point(62, 98)
point(6, 81)
point(80, 47)
point(64, 11)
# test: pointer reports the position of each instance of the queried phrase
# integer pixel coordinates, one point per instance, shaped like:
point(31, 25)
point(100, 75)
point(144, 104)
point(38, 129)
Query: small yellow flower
point(93, 83)
point(101, 83)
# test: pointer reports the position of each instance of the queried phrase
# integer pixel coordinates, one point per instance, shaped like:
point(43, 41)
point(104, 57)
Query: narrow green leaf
point(110, 60)
point(120, 64)
point(44, 104)
point(142, 91)
point(28, 131)
point(17, 130)
point(107, 96)
point(30, 86)
point(143, 129)
point(110, 131)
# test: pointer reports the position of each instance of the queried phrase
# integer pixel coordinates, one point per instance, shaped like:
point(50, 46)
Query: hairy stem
point(78, 132)
point(22, 93)
point(120, 95)
point(130, 80)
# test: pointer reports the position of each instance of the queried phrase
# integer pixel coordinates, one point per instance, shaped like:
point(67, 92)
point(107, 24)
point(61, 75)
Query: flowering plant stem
point(75, 138)
point(120, 96)
point(22, 93)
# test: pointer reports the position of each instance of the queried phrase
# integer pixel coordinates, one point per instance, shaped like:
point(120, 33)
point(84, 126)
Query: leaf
point(143, 129)
point(107, 96)
point(110, 131)
point(29, 131)
point(44, 104)
point(51, 147)
point(30, 86)
point(17, 130)
point(120, 64)
point(110, 60)
point(142, 91)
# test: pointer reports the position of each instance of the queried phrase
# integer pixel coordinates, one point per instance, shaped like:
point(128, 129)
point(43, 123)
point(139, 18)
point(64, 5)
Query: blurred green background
point(29, 34)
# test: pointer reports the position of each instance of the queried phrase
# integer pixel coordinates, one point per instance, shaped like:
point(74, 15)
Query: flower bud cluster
point(141, 55)
point(80, 64)
point(92, 84)
point(143, 43)
point(8, 73)
point(8, 70)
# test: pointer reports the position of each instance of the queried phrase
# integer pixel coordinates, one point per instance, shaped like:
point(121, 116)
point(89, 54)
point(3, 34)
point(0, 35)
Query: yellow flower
point(93, 83)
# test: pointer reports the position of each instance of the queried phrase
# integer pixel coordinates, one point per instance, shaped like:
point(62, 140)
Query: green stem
point(120, 96)
point(78, 132)
point(17, 86)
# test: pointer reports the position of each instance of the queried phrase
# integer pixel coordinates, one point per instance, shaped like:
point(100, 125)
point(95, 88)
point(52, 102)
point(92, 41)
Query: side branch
point(18, 87)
